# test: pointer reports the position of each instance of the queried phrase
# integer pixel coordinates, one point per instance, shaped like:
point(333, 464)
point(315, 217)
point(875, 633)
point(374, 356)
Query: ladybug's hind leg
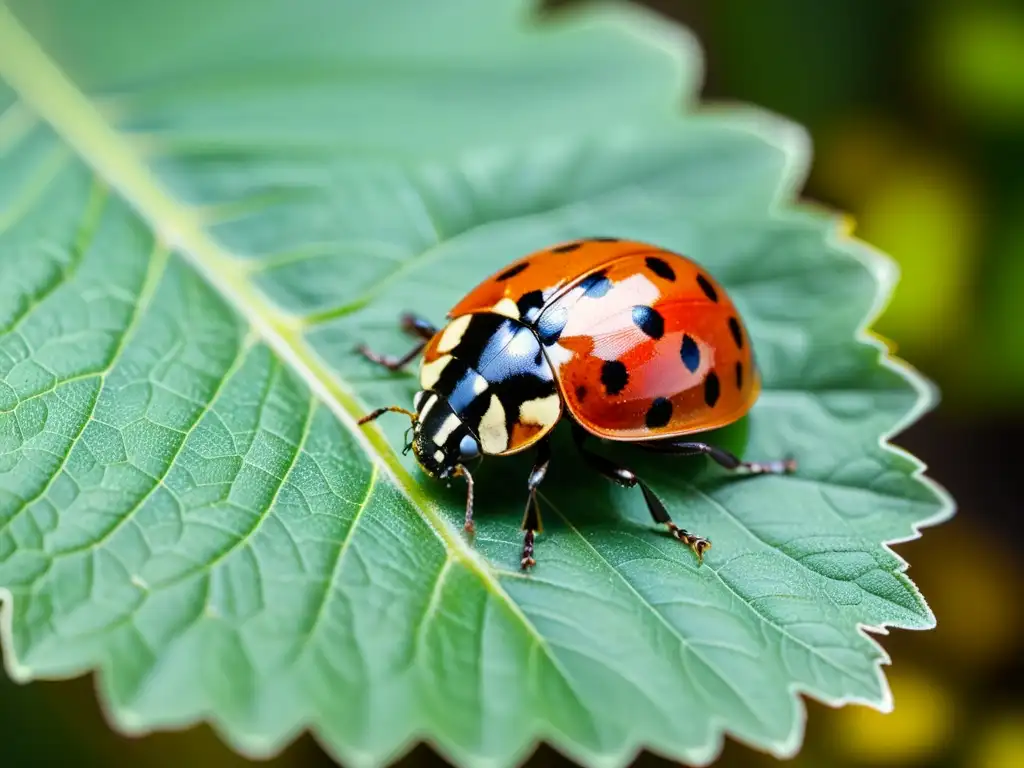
point(627, 478)
point(722, 457)
point(414, 326)
point(531, 519)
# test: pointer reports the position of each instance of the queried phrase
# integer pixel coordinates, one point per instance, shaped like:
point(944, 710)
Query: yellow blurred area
point(919, 207)
point(974, 61)
point(1001, 744)
point(973, 588)
point(925, 216)
point(854, 152)
point(919, 727)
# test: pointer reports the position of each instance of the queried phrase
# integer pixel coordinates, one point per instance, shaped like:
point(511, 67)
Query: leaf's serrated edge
point(795, 143)
point(181, 228)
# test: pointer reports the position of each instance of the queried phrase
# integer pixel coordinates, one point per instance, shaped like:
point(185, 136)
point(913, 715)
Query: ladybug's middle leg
point(414, 326)
point(627, 478)
point(531, 519)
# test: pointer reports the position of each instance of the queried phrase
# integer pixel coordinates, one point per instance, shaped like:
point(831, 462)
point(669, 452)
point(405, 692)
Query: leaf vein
point(48, 91)
point(782, 629)
point(158, 260)
point(159, 480)
point(339, 560)
point(281, 482)
point(659, 616)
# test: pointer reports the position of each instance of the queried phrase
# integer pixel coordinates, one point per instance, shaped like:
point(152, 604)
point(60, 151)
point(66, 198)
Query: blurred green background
point(916, 109)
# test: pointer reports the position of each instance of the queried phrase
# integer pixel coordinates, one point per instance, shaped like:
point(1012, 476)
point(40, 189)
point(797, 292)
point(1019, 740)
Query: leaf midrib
point(47, 91)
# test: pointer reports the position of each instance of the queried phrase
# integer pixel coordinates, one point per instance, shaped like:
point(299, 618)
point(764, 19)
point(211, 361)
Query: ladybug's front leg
point(531, 519)
point(627, 478)
point(413, 325)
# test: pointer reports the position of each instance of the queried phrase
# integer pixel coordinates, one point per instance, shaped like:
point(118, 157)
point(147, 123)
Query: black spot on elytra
point(581, 393)
point(649, 320)
point(606, 239)
point(512, 271)
point(566, 248)
point(690, 353)
point(660, 268)
point(736, 331)
point(538, 357)
point(707, 287)
point(614, 376)
point(712, 389)
point(659, 414)
point(596, 285)
point(529, 304)
point(550, 326)
point(739, 375)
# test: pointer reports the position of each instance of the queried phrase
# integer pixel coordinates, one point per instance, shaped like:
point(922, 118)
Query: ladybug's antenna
point(461, 471)
point(381, 411)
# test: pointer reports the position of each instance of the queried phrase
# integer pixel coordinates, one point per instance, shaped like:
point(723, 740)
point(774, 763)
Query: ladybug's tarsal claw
point(698, 544)
point(527, 562)
point(783, 467)
point(699, 547)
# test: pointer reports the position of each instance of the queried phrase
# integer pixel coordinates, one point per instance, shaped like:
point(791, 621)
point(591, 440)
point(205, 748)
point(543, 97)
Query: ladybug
point(629, 341)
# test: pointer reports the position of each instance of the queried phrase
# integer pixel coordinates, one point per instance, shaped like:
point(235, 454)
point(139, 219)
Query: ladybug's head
point(441, 442)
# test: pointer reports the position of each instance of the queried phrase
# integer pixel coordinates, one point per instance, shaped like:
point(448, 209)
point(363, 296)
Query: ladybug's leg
point(461, 471)
point(726, 459)
point(531, 519)
point(413, 325)
point(389, 362)
point(418, 326)
point(627, 478)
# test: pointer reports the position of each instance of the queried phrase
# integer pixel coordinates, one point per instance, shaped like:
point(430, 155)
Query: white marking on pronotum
point(493, 435)
point(445, 430)
point(431, 372)
point(506, 307)
point(438, 456)
point(417, 400)
point(426, 409)
point(543, 411)
point(453, 333)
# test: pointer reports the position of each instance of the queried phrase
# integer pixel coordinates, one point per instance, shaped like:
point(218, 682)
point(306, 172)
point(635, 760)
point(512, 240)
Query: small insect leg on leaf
point(414, 326)
point(627, 478)
point(531, 516)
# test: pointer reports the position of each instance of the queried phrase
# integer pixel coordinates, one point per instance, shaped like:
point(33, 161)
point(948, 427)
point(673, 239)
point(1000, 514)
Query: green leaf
point(204, 205)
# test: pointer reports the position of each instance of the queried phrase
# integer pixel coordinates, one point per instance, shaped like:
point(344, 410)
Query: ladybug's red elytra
point(629, 341)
